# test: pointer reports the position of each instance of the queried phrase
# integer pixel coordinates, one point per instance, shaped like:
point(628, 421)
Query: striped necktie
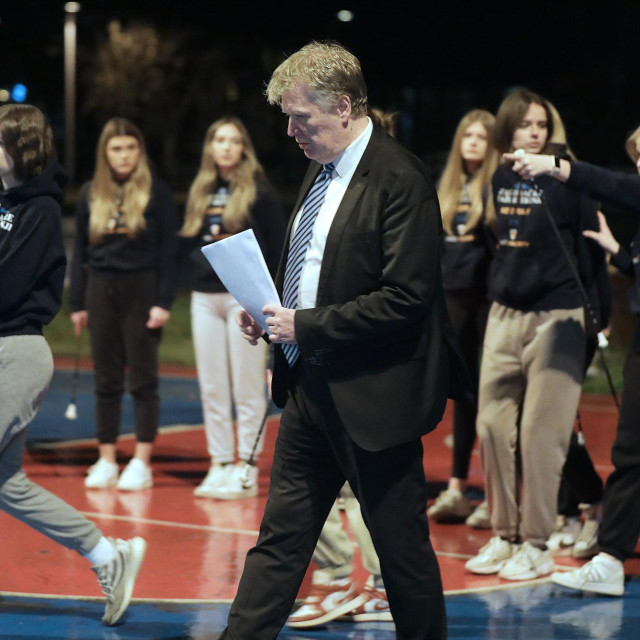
point(298, 249)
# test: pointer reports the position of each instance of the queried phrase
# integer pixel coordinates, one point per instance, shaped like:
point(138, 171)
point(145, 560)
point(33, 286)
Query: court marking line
point(169, 523)
point(57, 596)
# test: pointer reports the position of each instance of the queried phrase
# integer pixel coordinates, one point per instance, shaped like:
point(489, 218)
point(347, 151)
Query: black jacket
point(380, 333)
point(32, 258)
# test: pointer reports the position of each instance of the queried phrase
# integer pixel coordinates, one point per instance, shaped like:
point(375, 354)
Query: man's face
point(322, 135)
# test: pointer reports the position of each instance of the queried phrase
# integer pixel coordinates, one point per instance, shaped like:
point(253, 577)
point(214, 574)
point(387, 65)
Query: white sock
point(102, 553)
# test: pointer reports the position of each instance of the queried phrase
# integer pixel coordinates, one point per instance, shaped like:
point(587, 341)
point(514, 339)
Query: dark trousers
point(468, 312)
point(620, 526)
point(118, 312)
point(313, 457)
point(580, 481)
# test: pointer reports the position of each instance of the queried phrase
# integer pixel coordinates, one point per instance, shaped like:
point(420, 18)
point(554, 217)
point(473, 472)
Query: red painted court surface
point(197, 546)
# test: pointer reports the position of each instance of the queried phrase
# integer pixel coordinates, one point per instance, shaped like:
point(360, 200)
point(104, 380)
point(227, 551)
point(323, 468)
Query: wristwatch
point(556, 166)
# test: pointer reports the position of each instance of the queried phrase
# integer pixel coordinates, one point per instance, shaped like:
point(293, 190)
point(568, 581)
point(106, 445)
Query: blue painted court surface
point(540, 612)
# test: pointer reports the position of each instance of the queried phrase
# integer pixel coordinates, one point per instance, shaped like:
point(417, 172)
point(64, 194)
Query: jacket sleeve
point(78, 270)
point(603, 184)
point(167, 243)
point(408, 237)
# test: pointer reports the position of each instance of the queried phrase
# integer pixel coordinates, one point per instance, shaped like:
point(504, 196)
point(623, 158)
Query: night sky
point(432, 65)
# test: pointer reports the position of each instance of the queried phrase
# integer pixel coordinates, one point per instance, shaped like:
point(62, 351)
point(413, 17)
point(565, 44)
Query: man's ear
point(344, 108)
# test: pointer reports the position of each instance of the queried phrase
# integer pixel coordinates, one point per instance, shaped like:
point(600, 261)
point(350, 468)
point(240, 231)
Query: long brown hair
point(455, 175)
point(105, 191)
point(511, 113)
point(242, 184)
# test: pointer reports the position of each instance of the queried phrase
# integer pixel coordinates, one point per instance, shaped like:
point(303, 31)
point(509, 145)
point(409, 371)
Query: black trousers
point(580, 481)
point(620, 527)
point(118, 312)
point(313, 457)
point(468, 312)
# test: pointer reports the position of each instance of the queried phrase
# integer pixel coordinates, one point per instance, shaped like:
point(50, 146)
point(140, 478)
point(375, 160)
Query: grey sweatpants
point(26, 367)
point(530, 384)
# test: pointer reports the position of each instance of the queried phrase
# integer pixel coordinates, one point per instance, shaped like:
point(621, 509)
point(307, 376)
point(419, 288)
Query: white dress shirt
point(345, 166)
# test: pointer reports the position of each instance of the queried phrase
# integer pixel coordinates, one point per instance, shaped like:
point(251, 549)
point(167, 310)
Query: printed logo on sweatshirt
point(6, 219)
point(515, 205)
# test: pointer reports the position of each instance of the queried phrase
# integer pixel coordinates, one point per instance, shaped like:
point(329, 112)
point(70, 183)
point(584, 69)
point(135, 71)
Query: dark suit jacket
point(380, 330)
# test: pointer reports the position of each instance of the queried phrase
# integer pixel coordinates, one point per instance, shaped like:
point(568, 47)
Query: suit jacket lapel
point(352, 195)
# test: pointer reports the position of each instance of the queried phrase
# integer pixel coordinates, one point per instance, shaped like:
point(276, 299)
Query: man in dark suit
point(364, 364)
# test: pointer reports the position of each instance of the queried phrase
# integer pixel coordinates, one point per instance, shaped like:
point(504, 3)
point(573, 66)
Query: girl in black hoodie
point(32, 264)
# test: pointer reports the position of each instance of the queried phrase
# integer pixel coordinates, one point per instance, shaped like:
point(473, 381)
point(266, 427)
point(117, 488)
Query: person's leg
point(334, 551)
point(107, 348)
point(247, 364)
point(248, 379)
point(392, 490)
point(500, 396)
point(208, 323)
point(361, 533)
point(305, 481)
point(553, 362)
point(141, 346)
point(26, 367)
point(620, 525)
point(469, 319)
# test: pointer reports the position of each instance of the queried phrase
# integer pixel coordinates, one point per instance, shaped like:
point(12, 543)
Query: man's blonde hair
point(329, 70)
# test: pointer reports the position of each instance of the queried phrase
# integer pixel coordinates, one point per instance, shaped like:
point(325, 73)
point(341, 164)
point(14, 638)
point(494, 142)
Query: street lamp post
point(70, 11)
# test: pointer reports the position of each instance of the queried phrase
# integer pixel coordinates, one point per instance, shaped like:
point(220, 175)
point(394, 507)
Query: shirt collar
point(348, 160)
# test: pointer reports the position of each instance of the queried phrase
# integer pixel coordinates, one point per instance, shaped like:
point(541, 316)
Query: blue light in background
point(19, 93)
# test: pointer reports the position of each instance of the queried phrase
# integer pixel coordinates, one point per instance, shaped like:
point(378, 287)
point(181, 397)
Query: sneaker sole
point(531, 575)
point(225, 495)
point(138, 551)
point(368, 617)
point(486, 571)
point(101, 485)
point(146, 485)
point(329, 615)
point(591, 587)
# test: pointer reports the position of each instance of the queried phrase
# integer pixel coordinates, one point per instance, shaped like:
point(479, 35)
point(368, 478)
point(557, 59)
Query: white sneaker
point(450, 507)
point(216, 478)
point(586, 544)
point(480, 518)
point(136, 476)
point(566, 533)
point(327, 600)
point(492, 557)
point(601, 575)
point(241, 483)
point(101, 475)
point(527, 563)
point(118, 577)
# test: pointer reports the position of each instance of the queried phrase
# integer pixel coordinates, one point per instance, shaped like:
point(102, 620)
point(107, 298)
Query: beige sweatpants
point(334, 551)
point(530, 383)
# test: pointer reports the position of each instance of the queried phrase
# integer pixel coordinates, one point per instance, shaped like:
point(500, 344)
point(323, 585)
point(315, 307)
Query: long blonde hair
point(105, 191)
point(242, 184)
point(455, 175)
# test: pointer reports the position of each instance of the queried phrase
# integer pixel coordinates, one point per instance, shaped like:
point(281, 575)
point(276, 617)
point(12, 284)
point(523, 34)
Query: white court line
point(57, 596)
point(169, 523)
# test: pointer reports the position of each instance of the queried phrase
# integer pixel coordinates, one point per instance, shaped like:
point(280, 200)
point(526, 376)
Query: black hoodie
point(32, 258)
